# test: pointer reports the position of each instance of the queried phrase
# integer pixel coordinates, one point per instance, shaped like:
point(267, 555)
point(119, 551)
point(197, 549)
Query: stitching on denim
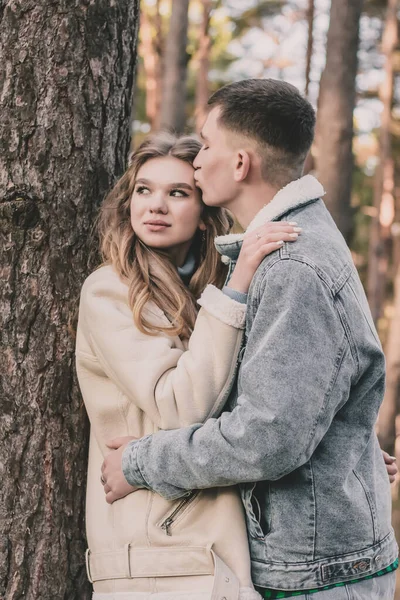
point(315, 506)
point(364, 315)
point(342, 316)
point(370, 504)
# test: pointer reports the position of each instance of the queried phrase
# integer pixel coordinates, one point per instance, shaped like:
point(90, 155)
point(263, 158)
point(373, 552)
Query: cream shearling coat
point(143, 546)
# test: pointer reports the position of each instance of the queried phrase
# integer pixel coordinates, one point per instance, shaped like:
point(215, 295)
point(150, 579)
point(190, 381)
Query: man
point(311, 378)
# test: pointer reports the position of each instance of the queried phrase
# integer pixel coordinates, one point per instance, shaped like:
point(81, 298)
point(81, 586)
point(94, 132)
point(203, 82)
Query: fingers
point(389, 460)
point(273, 232)
point(116, 443)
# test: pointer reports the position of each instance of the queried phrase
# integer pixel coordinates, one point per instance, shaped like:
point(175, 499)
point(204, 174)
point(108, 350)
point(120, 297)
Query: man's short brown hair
point(276, 116)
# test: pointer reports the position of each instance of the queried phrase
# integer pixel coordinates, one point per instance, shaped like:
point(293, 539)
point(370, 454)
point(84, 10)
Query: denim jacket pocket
point(251, 505)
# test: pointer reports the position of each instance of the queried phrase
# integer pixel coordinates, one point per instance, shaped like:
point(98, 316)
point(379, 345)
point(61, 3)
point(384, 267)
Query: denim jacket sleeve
point(295, 375)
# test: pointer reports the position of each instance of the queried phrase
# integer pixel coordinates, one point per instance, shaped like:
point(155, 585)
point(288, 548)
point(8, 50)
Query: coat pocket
point(174, 516)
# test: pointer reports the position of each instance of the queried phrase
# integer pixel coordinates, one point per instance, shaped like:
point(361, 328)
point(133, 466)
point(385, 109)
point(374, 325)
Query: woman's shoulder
point(104, 281)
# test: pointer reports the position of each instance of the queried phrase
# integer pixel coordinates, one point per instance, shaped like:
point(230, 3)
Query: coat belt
point(186, 561)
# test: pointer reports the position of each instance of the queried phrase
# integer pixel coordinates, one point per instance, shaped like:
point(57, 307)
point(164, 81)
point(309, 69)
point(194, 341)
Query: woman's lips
point(156, 225)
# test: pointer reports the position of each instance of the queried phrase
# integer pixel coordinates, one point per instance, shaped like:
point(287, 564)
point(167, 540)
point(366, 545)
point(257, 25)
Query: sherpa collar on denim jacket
point(295, 194)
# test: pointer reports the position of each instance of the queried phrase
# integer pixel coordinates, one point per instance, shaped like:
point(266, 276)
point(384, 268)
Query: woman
point(147, 361)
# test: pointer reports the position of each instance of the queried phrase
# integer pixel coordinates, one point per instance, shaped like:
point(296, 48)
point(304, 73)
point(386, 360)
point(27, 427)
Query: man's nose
point(197, 161)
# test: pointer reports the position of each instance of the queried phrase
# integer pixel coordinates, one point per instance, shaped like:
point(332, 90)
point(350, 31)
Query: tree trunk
point(151, 50)
point(391, 403)
point(173, 113)
point(67, 78)
point(310, 43)
point(334, 131)
point(203, 62)
point(380, 236)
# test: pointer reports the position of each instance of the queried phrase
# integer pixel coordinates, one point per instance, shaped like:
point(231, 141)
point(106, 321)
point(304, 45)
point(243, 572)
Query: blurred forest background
point(69, 76)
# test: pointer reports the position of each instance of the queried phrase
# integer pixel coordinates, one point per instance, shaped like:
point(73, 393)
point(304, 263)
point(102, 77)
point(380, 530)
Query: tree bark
point(67, 78)
point(310, 43)
point(380, 235)
point(334, 130)
point(203, 62)
point(173, 105)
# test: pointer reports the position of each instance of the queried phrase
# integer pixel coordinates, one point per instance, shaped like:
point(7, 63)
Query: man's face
point(215, 163)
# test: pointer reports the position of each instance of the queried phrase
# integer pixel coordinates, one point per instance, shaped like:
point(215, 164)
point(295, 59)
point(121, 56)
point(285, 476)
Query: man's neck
point(250, 202)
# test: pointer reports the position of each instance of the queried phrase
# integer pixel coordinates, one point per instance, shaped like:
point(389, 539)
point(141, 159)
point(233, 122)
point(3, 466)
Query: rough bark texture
point(334, 132)
point(66, 80)
point(380, 235)
point(173, 104)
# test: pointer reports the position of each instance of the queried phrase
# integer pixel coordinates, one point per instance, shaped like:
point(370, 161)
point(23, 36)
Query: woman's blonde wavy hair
point(150, 274)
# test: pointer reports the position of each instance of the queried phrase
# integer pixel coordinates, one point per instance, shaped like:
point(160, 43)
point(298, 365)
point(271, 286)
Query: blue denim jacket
point(300, 419)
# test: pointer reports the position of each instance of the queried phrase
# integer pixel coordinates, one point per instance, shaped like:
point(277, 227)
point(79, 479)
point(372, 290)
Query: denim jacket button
point(378, 558)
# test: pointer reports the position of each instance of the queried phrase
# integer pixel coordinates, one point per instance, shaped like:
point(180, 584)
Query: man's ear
point(242, 166)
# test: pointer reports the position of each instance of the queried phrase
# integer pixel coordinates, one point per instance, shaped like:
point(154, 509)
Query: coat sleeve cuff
point(130, 467)
point(223, 308)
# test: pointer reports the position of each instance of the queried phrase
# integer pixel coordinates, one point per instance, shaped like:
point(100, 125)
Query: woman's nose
point(158, 203)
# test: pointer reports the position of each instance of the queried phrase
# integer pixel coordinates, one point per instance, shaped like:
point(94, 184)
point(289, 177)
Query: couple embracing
point(234, 442)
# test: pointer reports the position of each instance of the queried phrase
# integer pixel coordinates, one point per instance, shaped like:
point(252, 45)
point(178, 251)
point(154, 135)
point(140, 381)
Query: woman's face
point(166, 206)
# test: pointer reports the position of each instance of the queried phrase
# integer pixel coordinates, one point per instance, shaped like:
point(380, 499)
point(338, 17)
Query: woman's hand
point(391, 467)
point(256, 246)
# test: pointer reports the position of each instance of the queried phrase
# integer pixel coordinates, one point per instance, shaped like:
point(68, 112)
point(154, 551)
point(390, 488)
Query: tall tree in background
point(380, 240)
point(64, 133)
point(380, 235)
point(334, 130)
point(151, 49)
point(203, 62)
point(173, 105)
point(310, 43)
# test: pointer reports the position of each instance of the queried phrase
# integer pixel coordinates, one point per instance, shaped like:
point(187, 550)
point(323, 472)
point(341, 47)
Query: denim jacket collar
point(297, 193)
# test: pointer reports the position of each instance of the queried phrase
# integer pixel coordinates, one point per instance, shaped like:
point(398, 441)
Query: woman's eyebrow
point(169, 185)
point(181, 185)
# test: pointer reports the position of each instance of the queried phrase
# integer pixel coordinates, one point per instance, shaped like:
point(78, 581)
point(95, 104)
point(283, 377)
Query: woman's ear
point(242, 166)
point(202, 226)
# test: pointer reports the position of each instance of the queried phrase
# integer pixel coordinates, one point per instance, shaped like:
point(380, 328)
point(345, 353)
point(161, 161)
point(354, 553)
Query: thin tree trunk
point(310, 43)
point(151, 51)
point(173, 113)
point(379, 248)
point(334, 131)
point(203, 62)
point(67, 79)
point(391, 404)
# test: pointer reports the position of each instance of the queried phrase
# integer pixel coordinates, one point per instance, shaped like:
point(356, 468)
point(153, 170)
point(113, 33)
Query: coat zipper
point(168, 522)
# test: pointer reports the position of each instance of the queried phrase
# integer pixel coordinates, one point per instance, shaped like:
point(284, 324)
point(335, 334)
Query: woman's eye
point(179, 194)
point(142, 190)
